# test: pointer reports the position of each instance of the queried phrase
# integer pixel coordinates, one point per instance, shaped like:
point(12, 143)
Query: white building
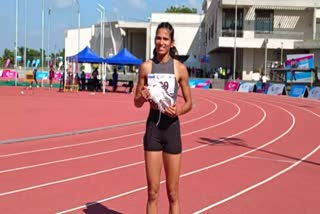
point(267, 30)
point(137, 37)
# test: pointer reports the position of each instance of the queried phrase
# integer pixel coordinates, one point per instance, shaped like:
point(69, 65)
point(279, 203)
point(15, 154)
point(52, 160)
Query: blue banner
point(200, 83)
point(37, 62)
point(298, 91)
point(246, 87)
point(276, 89)
point(305, 61)
point(314, 93)
point(42, 75)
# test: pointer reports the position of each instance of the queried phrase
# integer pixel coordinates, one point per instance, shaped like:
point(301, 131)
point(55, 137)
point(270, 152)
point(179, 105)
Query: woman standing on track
point(162, 139)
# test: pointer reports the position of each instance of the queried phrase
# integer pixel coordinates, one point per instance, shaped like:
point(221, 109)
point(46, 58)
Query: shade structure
point(86, 56)
point(192, 62)
point(124, 57)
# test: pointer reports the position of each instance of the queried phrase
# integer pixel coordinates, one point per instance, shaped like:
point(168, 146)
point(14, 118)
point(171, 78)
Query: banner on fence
point(305, 61)
point(298, 91)
point(247, 87)
point(314, 93)
point(7, 73)
point(42, 75)
point(277, 89)
point(232, 86)
point(199, 83)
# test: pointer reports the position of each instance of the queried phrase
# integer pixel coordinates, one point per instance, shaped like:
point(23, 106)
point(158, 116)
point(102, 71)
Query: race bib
point(167, 81)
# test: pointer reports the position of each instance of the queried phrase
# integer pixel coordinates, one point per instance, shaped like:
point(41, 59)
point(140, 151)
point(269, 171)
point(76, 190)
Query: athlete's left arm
point(183, 81)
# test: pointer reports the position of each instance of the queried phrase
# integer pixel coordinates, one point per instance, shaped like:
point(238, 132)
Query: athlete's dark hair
point(173, 51)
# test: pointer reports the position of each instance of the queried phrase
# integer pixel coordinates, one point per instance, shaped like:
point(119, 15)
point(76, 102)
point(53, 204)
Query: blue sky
point(64, 16)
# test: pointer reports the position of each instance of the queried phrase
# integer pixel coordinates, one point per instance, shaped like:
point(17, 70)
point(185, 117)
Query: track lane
point(193, 158)
point(291, 150)
point(30, 168)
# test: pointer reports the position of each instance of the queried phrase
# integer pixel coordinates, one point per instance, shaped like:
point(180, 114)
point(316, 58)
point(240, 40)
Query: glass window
point(264, 20)
point(228, 19)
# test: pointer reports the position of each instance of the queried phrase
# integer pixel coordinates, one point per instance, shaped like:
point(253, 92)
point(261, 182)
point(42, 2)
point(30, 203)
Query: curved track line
point(69, 159)
point(271, 177)
point(64, 134)
point(258, 184)
point(69, 179)
point(201, 169)
point(104, 171)
point(100, 153)
point(294, 105)
point(116, 150)
point(105, 139)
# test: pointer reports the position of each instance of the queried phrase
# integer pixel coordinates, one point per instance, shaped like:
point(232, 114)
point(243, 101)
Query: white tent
point(192, 62)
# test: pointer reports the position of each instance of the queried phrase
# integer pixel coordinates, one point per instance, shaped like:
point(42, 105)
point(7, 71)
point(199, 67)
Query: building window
point(212, 30)
point(264, 21)
point(228, 20)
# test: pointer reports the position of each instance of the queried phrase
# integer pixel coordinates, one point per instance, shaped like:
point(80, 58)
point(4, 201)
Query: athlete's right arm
point(142, 93)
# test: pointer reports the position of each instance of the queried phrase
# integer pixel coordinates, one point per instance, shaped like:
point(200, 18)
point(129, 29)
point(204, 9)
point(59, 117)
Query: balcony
point(231, 33)
point(292, 35)
point(281, 35)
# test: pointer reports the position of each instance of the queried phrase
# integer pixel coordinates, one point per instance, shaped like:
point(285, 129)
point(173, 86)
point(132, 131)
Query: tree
point(181, 9)
point(1, 62)
point(8, 54)
point(32, 54)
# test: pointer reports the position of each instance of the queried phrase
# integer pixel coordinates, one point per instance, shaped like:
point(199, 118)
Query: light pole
point(16, 43)
point(42, 42)
point(102, 12)
point(235, 42)
point(281, 53)
point(78, 11)
point(25, 35)
point(265, 56)
point(49, 14)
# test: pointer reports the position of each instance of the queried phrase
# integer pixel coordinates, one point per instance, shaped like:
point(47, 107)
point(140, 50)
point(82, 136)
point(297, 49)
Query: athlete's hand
point(172, 111)
point(145, 93)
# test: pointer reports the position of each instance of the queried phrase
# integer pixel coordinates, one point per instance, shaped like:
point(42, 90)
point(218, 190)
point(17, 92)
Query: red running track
point(243, 153)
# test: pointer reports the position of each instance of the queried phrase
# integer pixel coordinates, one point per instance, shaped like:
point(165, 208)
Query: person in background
point(83, 81)
point(114, 80)
point(51, 76)
point(95, 74)
point(294, 64)
point(35, 71)
point(162, 138)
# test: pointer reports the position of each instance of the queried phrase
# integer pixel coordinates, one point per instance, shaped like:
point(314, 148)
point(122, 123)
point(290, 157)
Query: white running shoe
point(159, 96)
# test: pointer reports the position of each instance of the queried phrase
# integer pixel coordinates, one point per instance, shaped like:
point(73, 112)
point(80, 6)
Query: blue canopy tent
point(71, 79)
point(124, 57)
point(86, 56)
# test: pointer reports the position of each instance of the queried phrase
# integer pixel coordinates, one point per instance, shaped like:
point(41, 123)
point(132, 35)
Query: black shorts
point(165, 136)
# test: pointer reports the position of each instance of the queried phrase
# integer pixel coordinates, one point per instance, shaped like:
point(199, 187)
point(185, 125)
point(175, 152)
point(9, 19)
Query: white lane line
point(104, 171)
point(70, 179)
point(69, 159)
point(70, 145)
point(90, 155)
point(257, 184)
point(201, 169)
point(69, 133)
point(269, 159)
point(107, 139)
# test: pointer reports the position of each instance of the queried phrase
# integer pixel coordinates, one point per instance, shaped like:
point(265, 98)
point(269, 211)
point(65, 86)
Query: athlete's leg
point(172, 164)
point(153, 164)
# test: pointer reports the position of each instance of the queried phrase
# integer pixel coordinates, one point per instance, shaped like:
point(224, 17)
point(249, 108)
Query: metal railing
point(272, 34)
